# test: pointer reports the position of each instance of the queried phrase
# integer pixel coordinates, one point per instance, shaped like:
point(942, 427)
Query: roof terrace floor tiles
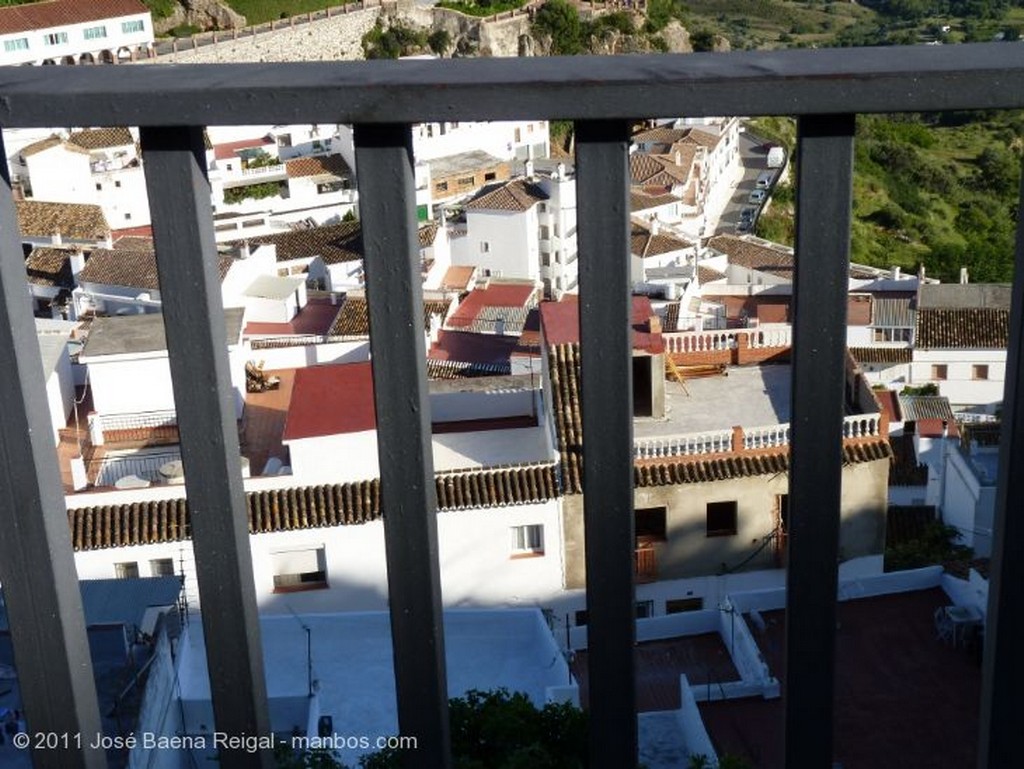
point(263, 422)
point(903, 698)
point(751, 396)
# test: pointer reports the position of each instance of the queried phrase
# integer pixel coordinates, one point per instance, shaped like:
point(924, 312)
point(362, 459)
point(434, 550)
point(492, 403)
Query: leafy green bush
point(393, 41)
point(481, 8)
point(935, 545)
point(559, 20)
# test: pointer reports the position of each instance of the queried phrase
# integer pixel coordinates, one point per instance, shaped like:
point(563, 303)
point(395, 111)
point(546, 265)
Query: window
point(518, 136)
point(133, 26)
point(55, 38)
point(650, 524)
point(441, 187)
point(296, 570)
point(644, 609)
point(581, 618)
point(527, 540)
point(490, 176)
point(979, 371)
point(95, 33)
point(940, 371)
point(162, 567)
point(545, 259)
point(679, 605)
point(466, 181)
point(99, 187)
point(485, 247)
point(126, 570)
point(117, 184)
point(721, 519)
point(127, 217)
point(19, 44)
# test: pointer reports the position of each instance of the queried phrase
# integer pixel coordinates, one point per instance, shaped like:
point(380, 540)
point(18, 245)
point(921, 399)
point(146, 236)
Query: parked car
point(764, 179)
point(747, 214)
point(758, 196)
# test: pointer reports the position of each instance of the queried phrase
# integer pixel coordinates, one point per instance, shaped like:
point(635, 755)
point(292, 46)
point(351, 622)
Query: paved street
point(754, 161)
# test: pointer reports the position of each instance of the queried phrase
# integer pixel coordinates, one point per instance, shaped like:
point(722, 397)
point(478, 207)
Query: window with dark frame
point(126, 570)
point(679, 605)
point(162, 567)
point(721, 519)
point(940, 371)
point(651, 524)
point(979, 371)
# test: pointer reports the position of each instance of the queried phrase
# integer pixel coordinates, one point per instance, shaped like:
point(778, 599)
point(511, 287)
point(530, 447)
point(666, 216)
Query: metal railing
point(824, 89)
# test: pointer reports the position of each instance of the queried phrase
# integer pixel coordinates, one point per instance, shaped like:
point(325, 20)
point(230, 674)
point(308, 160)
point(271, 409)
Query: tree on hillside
point(560, 20)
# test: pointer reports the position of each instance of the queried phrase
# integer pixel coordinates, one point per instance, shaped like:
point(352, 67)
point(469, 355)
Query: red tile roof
point(329, 165)
point(331, 400)
point(59, 13)
point(516, 195)
point(512, 294)
point(228, 150)
point(467, 347)
point(560, 324)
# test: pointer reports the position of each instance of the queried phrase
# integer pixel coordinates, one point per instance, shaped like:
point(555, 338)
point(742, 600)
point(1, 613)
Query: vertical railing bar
point(37, 568)
point(602, 183)
point(1002, 672)
point(179, 200)
point(387, 207)
point(824, 155)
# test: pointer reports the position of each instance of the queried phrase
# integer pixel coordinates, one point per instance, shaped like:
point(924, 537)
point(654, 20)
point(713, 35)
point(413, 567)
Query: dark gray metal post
point(1002, 670)
point(179, 200)
point(408, 496)
point(37, 568)
point(824, 156)
point(606, 371)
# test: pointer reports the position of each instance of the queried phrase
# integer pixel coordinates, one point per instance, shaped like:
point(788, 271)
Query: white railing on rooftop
point(727, 339)
point(275, 170)
point(754, 438)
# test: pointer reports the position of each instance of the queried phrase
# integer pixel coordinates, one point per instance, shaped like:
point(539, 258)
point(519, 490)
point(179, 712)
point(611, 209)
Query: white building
point(960, 342)
point(75, 32)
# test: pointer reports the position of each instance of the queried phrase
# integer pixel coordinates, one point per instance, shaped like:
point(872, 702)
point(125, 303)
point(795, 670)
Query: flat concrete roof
point(274, 286)
point(51, 346)
point(464, 161)
point(490, 448)
point(749, 396)
point(353, 663)
point(136, 334)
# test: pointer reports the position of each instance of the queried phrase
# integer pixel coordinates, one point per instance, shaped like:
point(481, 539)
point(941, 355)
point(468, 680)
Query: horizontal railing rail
point(171, 104)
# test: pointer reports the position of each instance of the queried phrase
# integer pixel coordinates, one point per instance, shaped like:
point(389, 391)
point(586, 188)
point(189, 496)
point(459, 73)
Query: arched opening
point(87, 58)
point(107, 57)
point(124, 54)
point(48, 61)
point(69, 60)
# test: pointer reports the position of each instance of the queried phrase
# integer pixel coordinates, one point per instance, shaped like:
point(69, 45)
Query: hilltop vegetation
point(939, 190)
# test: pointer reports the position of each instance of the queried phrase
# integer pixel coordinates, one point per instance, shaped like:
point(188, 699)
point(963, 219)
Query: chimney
point(655, 226)
point(655, 324)
point(77, 260)
point(499, 326)
point(678, 158)
point(528, 169)
point(56, 238)
point(243, 250)
point(435, 327)
point(896, 275)
point(560, 170)
point(963, 275)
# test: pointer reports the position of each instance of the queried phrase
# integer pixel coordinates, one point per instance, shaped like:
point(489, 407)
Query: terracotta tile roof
point(102, 138)
point(658, 170)
point(671, 322)
point(334, 243)
point(50, 267)
point(644, 244)
point(641, 201)
point(881, 354)
point(307, 507)
point(754, 256)
point(516, 195)
point(904, 469)
point(133, 269)
point(451, 369)
point(660, 135)
point(134, 243)
point(564, 370)
point(962, 328)
point(427, 234)
point(79, 221)
point(708, 274)
point(354, 318)
point(906, 523)
point(59, 13)
point(702, 469)
point(510, 300)
point(319, 165)
point(44, 144)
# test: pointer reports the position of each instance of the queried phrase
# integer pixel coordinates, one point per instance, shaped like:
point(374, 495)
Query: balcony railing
point(746, 438)
point(824, 89)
